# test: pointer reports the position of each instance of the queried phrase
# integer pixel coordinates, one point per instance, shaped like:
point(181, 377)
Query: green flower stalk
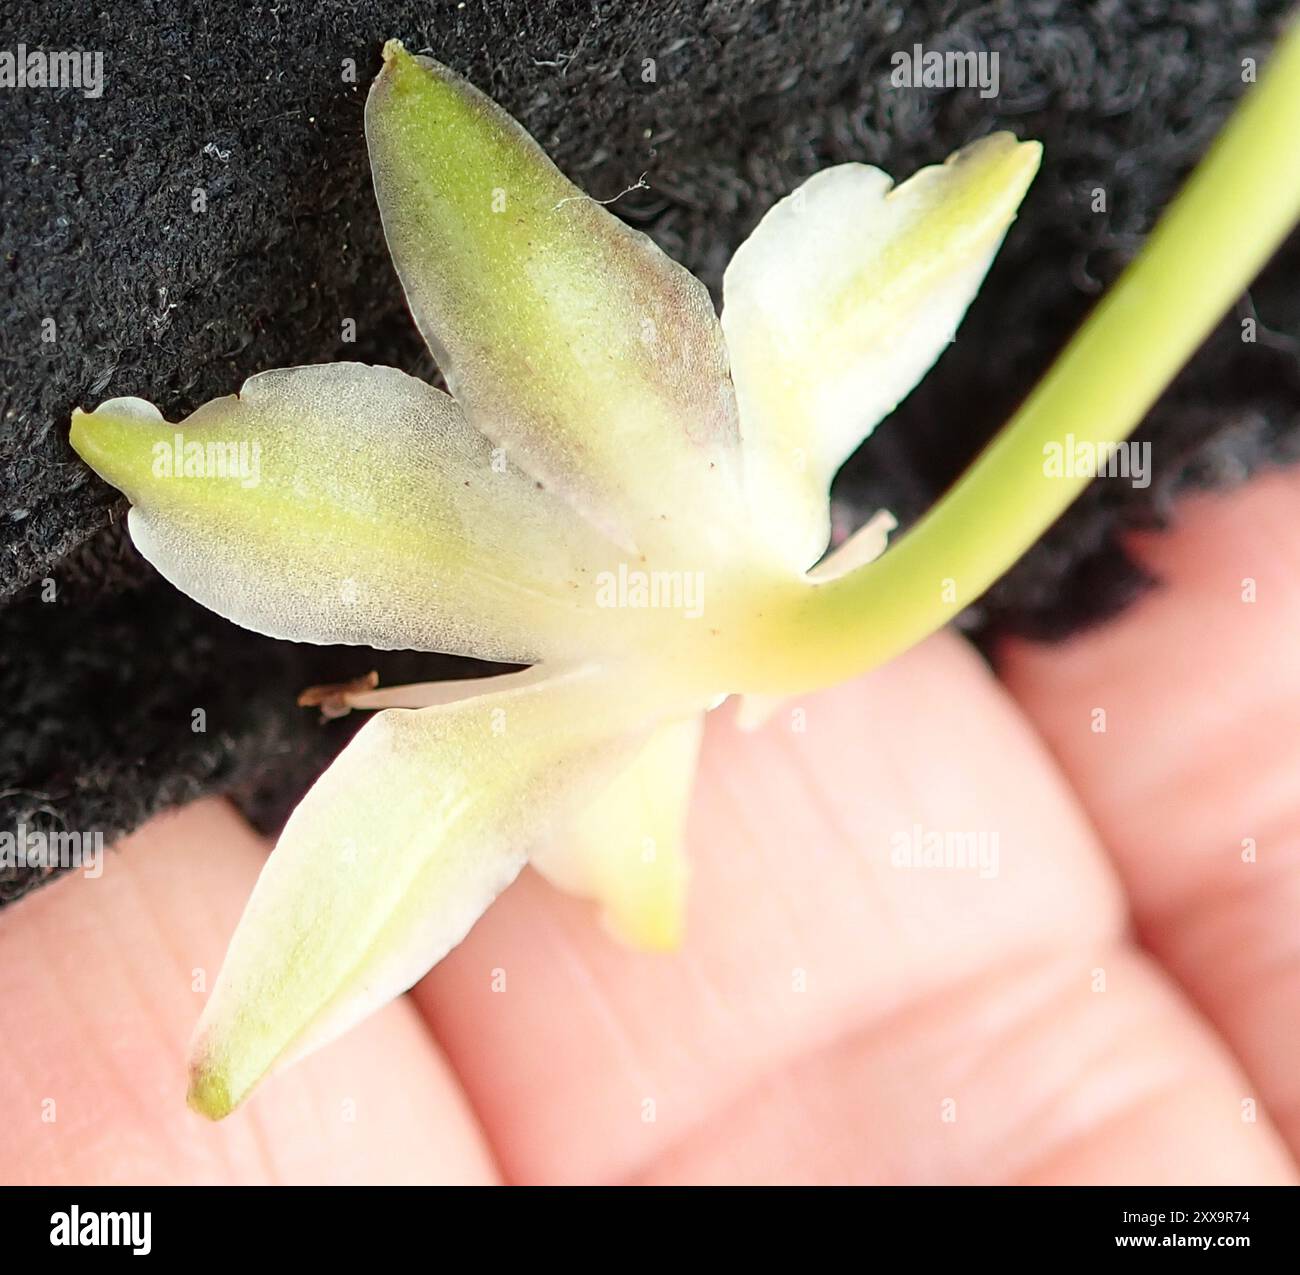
point(623, 493)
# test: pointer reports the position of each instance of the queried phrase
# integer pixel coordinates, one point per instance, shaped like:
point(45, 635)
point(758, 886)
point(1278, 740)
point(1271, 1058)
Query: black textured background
point(249, 103)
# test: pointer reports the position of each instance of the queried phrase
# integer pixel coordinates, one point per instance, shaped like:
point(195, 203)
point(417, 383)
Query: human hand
point(1116, 1002)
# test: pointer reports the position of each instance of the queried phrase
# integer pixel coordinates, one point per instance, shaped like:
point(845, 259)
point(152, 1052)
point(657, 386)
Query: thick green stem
point(1238, 206)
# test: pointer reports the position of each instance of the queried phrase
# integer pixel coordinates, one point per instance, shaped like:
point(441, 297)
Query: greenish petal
point(390, 859)
point(346, 503)
point(567, 337)
point(624, 848)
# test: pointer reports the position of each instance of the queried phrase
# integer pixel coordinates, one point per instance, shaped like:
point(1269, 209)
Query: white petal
point(839, 302)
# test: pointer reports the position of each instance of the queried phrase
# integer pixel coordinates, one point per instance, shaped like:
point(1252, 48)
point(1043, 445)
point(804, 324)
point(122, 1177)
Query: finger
point(809, 934)
point(104, 979)
point(1192, 781)
point(1027, 1075)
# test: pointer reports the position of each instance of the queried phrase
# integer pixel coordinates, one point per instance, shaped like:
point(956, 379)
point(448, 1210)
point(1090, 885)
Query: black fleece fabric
point(113, 283)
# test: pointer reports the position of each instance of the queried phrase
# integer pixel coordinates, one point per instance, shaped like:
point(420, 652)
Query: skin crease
point(1118, 853)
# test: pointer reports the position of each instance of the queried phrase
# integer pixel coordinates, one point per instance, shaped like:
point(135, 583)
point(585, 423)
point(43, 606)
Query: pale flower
point(620, 490)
